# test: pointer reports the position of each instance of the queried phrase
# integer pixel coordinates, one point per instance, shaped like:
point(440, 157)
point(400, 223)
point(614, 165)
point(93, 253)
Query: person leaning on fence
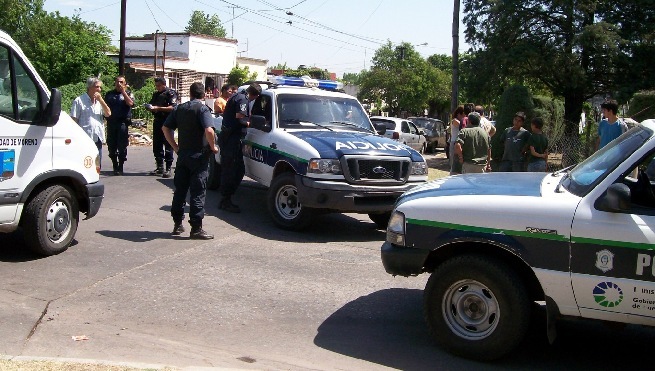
point(538, 146)
point(473, 147)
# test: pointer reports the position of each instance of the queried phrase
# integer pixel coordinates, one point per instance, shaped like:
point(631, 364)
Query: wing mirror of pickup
point(380, 128)
point(616, 199)
point(53, 109)
point(260, 123)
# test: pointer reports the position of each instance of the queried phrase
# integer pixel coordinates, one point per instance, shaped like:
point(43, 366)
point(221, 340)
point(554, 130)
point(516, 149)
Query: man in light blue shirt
point(88, 110)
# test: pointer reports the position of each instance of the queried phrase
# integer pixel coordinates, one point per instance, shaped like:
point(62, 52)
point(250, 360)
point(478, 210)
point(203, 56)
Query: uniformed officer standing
point(235, 125)
point(161, 105)
point(120, 101)
point(195, 125)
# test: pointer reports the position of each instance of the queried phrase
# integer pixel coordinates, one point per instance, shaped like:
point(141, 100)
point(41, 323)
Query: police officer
point(161, 105)
point(235, 124)
point(120, 101)
point(195, 126)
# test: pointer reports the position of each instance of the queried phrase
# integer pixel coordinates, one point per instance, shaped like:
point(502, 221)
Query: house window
point(174, 81)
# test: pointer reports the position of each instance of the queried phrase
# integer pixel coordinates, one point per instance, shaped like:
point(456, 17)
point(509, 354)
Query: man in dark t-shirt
point(120, 101)
point(161, 105)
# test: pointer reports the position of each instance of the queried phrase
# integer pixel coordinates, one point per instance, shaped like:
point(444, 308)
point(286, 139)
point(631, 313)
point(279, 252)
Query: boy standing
point(538, 146)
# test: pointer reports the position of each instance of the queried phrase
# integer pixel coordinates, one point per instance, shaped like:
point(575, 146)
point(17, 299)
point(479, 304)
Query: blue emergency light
point(306, 82)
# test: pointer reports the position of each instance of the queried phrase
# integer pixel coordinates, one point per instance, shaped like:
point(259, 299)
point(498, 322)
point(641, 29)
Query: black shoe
point(166, 174)
point(228, 206)
point(200, 234)
point(178, 229)
point(159, 171)
point(120, 167)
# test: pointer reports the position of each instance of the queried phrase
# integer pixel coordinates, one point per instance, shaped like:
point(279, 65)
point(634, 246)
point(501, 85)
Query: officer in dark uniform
point(235, 125)
point(161, 105)
point(120, 101)
point(195, 124)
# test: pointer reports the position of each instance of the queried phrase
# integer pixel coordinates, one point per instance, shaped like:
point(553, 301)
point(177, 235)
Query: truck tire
point(214, 176)
point(476, 307)
point(284, 206)
point(381, 220)
point(50, 220)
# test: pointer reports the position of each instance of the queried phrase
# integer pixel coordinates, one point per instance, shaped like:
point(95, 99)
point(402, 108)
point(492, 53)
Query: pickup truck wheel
point(284, 205)
point(214, 177)
point(476, 307)
point(50, 220)
point(381, 220)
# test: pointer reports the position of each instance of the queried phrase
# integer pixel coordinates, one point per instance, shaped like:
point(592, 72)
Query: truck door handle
point(273, 145)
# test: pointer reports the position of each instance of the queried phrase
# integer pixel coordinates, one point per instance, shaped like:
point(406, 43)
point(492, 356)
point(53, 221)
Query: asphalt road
point(255, 297)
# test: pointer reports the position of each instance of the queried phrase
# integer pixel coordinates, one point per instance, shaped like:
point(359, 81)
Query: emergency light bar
point(306, 82)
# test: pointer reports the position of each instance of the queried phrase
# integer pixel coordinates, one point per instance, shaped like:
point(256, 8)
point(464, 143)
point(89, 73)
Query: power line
point(102, 7)
point(153, 14)
point(167, 16)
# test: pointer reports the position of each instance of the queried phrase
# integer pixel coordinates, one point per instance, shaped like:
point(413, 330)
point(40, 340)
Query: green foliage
point(204, 24)
point(238, 76)
point(69, 92)
point(514, 99)
point(313, 72)
point(354, 78)
point(16, 15)
point(403, 80)
point(642, 106)
point(141, 97)
point(443, 62)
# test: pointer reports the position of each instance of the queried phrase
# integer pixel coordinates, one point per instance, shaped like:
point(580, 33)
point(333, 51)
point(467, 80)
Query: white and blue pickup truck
point(317, 151)
point(49, 166)
point(581, 240)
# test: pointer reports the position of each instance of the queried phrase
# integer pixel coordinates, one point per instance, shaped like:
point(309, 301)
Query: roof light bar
point(306, 82)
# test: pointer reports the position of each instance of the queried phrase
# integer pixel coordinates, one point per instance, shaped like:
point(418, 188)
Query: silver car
point(401, 130)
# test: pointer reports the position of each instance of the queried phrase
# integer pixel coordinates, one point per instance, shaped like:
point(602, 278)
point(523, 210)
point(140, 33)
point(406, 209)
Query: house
point(185, 58)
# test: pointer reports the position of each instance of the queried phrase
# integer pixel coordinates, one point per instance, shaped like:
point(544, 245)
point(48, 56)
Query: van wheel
point(476, 307)
point(381, 220)
point(284, 205)
point(214, 176)
point(50, 220)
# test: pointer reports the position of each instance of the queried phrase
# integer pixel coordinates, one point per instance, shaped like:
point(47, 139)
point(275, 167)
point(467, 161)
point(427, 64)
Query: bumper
point(403, 261)
point(344, 197)
point(95, 194)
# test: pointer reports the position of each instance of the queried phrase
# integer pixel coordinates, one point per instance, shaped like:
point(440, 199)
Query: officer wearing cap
point(235, 125)
point(195, 125)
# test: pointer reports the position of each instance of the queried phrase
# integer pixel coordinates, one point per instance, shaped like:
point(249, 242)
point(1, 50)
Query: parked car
point(434, 131)
point(401, 130)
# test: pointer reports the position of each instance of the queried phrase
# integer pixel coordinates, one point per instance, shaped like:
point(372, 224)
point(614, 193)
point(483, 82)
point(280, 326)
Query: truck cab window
point(27, 93)
point(6, 100)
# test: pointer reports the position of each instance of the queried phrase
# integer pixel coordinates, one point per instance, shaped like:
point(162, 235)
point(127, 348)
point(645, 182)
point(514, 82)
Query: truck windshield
point(586, 175)
point(317, 112)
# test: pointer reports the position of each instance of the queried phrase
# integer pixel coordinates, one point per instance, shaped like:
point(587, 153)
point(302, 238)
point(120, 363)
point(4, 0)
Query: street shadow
point(14, 250)
point(256, 220)
point(387, 328)
point(136, 236)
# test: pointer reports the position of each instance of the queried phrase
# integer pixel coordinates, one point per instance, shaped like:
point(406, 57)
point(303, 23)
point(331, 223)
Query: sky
point(337, 35)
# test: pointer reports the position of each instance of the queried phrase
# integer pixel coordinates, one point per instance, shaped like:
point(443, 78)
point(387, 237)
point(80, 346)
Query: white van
point(49, 166)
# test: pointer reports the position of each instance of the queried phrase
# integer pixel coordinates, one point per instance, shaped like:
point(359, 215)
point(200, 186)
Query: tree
point(313, 72)
point(571, 47)
point(203, 24)
point(16, 15)
point(400, 78)
point(238, 76)
point(353, 78)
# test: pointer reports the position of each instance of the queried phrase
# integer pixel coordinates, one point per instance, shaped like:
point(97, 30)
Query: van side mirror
point(53, 109)
point(260, 123)
point(380, 128)
point(616, 199)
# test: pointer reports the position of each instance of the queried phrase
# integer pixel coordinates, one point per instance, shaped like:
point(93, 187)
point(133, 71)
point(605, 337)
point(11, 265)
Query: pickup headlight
point(324, 166)
point(419, 168)
point(396, 229)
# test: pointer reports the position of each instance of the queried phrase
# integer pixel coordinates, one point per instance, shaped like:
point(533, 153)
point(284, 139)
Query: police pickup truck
point(581, 239)
point(317, 151)
point(49, 166)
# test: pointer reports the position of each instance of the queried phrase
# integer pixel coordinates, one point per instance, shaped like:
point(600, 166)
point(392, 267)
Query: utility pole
point(121, 53)
point(455, 92)
point(155, 63)
point(163, 59)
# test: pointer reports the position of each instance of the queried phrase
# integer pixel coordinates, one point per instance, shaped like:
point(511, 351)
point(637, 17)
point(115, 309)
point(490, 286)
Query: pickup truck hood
point(497, 184)
point(334, 144)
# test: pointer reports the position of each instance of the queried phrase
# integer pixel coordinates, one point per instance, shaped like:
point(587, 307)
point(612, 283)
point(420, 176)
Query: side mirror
point(53, 109)
point(616, 199)
point(260, 123)
point(380, 128)
point(421, 131)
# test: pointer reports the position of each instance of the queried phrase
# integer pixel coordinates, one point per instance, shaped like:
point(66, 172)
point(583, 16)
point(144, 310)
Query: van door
point(25, 146)
point(613, 255)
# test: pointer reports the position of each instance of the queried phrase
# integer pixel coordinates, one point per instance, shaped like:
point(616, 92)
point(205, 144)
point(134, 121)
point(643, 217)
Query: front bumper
point(345, 197)
point(403, 261)
point(95, 193)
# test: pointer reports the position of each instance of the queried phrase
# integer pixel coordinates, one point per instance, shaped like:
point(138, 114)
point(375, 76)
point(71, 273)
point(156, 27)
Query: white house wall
point(212, 56)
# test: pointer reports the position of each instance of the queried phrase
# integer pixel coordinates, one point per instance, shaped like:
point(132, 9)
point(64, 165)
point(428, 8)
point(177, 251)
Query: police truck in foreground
point(317, 151)
point(581, 239)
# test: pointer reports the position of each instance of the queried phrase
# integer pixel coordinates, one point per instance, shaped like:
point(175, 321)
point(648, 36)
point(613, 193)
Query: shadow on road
point(136, 236)
point(14, 250)
point(387, 328)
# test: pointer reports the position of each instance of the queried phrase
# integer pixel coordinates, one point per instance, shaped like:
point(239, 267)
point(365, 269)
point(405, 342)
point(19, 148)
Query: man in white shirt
point(88, 110)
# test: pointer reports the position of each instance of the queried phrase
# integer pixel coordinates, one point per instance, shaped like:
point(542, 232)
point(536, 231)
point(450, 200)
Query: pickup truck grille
point(381, 170)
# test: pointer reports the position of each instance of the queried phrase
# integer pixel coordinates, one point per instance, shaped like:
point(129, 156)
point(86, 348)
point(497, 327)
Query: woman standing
point(456, 124)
